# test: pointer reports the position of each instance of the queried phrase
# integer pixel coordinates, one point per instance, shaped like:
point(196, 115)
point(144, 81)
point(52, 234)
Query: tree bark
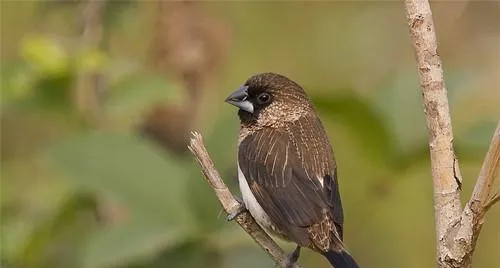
point(456, 230)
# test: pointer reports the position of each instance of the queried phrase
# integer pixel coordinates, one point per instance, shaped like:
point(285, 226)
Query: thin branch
point(467, 231)
point(484, 183)
point(492, 201)
point(445, 169)
point(230, 205)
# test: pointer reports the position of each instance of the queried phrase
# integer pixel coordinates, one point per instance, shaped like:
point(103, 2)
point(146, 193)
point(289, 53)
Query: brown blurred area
point(98, 99)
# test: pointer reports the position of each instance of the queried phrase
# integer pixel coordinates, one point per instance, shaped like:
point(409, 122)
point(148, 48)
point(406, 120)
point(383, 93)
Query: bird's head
point(269, 99)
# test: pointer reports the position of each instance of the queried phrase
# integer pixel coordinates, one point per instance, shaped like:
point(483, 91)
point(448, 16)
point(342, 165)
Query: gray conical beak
point(239, 99)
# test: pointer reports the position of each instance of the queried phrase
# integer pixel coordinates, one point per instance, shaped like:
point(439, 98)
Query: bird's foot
point(240, 209)
point(292, 258)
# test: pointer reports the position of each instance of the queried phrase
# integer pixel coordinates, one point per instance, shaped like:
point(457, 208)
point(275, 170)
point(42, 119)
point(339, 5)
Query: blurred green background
point(98, 99)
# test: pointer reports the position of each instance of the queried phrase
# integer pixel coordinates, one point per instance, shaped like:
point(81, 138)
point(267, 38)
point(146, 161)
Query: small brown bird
point(286, 169)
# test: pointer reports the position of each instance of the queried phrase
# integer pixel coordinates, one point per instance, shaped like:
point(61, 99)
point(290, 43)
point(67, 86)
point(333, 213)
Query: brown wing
point(283, 170)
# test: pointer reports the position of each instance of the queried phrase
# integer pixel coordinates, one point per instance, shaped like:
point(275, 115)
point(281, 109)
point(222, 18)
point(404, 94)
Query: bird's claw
point(240, 209)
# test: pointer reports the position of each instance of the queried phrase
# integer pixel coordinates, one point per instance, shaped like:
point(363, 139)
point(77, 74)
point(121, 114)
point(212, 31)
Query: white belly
point(251, 203)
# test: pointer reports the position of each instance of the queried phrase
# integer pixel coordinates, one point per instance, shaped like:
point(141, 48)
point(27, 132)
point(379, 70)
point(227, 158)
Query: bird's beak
point(239, 99)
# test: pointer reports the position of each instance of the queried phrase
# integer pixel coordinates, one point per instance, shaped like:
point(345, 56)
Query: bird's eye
point(264, 98)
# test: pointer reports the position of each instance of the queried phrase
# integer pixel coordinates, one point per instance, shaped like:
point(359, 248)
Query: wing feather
point(288, 187)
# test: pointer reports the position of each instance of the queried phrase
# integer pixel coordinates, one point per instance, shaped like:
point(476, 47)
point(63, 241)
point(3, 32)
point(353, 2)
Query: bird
point(287, 172)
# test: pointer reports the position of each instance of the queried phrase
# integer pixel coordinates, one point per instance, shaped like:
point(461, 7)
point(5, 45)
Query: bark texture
point(456, 229)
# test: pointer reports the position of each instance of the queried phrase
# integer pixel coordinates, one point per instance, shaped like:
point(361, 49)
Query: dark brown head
point(270, 99)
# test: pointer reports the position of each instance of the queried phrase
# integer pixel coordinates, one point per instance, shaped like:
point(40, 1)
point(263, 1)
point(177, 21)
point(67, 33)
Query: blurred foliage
point(76, 193)
point(56, 242)
point(357, 113)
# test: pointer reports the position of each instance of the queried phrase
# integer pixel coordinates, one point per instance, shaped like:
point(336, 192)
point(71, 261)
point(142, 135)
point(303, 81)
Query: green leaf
point(192, 253)
point(148, 184)
point(146, 180)
point(90, 60)
point(130, 96)
point(129, 241)
point(246, 257)
point(56, 242)
point(24, 87)
point(46, 55)
point(17, 81)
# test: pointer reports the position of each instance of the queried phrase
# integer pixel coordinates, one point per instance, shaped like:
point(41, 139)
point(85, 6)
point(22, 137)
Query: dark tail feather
point(341, 259)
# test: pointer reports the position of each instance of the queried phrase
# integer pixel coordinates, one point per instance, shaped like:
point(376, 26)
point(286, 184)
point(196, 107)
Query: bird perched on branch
point(286, 168)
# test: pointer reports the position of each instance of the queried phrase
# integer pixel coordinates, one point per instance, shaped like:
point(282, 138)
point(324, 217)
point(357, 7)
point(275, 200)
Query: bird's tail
point(341, 259)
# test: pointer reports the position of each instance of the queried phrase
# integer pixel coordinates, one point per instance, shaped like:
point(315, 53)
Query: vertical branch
point(445, 170)
point(188, 45)
point(89, 85)
point(457, 231)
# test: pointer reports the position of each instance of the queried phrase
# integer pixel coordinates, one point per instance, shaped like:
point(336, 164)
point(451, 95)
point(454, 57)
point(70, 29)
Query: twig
point(466, 232)
point(445, 170)
point(230, 205)
point(481, 201)
point(484, 183)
